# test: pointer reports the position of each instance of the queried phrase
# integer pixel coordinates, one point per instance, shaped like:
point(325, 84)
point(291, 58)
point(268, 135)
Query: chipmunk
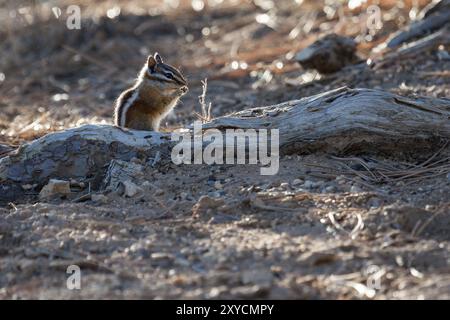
point(156, 92)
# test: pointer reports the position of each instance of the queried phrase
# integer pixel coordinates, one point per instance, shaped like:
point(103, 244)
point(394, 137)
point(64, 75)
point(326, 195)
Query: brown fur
point(155, 100)
point(147, 111)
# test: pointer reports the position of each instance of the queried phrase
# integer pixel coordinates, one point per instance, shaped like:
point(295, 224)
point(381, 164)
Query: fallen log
point(341, 121)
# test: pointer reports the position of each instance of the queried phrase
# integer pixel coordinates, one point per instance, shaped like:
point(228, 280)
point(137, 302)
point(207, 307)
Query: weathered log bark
point(80, 153)
point(339, 121)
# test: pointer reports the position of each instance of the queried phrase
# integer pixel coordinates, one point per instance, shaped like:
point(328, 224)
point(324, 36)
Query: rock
point(55, 188)
point(161, 259)
point(284, 186)
point(355, 189)
point(99, 198)
point(249, 292)
point(205, 203)
point(130, 189)
point(328, 54)
point(216, 194)
point(317, 184)
point(308, 184)
point(408, 217)
point(297, 182)
point(183, 195)
point(259, 277)
point(314, 259)
point(218, 185)
point(222, 218)
point(374, 203)
point(330, 189)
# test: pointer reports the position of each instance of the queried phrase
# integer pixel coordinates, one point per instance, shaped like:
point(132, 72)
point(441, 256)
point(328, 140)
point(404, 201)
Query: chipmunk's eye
point(168, 75)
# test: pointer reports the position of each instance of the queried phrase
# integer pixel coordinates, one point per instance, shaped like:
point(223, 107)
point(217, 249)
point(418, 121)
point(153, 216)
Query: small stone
point(147, 184)
point(374, 203)
point(330, 189)
point(284, 185)
point(317, 184)
point(297, 182)
point(161, 255)
point(216, 194)
point(249, 292)
point(259, 277)
point(218, 185)
point(99, 198)
point(77, 184)
point(328, 54)
point(308, 184)
point(161, 259)
point(355, 189)
point(183, 195)
point(182, 262)
point(205, 203)
point(136, 160)
point(55, 188)
point(27, 187)
point(130, 189)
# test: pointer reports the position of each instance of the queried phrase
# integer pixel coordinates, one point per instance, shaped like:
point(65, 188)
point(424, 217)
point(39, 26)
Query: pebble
point(99, 198)
point(183, 195)
point(55, 187)
point(355, 189)
point(284, 185)
point(218, 185)
point(27, 187)
point(297, 182)
point(308, 184)
point(216, 194)
point(249, 292)
point(374, 203)
point(205, 203)
point(258, 277)
point(130, 189)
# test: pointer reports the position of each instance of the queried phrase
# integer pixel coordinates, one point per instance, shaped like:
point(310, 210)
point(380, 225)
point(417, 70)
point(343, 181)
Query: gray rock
point(308, 184)
point(328, 54)
point(55, 188)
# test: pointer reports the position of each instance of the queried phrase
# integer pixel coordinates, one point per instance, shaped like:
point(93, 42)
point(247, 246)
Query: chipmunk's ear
point(158, 58)
point(151, 63)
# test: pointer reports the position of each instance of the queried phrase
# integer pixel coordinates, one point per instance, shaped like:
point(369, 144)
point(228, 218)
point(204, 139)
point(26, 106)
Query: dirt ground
point(322, 228)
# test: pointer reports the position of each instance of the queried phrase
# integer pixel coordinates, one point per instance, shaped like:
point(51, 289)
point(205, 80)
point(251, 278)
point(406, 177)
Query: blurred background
point(58, 72)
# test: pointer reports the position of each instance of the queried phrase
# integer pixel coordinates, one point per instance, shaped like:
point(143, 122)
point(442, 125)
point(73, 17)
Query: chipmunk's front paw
point(183, 90)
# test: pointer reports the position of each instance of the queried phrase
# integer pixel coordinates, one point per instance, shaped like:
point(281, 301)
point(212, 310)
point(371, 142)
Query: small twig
point(205, 116)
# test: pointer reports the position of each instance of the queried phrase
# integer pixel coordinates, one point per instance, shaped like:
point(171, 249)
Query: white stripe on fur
point(127, 105)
